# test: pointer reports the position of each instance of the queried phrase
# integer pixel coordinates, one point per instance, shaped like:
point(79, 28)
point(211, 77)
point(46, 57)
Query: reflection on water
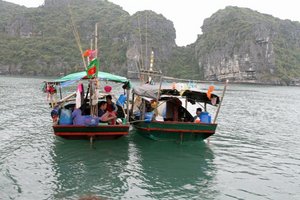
point(132, 167)
point(255, 153)
point(174, 171)
point(83, 170)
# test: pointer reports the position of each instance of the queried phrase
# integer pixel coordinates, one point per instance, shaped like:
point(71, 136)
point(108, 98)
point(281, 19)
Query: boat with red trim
point(161, 113)
point(62, 109)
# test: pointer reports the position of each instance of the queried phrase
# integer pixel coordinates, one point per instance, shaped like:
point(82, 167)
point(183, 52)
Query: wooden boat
point(175, 131)
point(101, 131)
point(178, 124)
point(85, 123)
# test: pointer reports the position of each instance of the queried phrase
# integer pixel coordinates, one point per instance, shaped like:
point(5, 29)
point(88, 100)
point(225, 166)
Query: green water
point(255, 153)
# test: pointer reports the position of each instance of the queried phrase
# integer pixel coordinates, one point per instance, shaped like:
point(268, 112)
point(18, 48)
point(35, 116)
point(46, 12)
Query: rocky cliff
point(42, 42)
point(246, 46)
point(237, 43)
point(149, 32)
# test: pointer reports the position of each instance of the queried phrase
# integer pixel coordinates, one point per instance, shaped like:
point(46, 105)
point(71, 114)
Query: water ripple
point(255, 153)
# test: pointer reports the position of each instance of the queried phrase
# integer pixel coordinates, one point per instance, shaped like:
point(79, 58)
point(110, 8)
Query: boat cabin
point(168, 104)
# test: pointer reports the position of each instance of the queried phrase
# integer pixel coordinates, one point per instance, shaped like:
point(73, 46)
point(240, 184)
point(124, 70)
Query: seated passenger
point(104, 115)
point(197, 117)
point(55, 114)
point(111, 106)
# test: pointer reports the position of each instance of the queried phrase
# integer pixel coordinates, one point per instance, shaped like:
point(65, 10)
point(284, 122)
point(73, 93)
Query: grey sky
point(188, 15)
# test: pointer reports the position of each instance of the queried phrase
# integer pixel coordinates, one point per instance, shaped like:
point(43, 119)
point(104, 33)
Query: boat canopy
point(151, 91)
point(192, 95)
point(101, 75)
point(72, 78)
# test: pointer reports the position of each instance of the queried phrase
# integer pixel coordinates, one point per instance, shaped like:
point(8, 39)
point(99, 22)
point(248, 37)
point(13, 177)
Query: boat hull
point(175, 131)
point(104, 132)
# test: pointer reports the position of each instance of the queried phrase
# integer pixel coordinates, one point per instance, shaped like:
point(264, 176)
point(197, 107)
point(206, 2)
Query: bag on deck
point(65, 117)
point(91, 121)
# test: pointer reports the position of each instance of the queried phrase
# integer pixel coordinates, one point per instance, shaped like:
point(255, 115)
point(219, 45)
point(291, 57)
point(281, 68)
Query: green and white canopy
point(104, 76)
point(101, 75)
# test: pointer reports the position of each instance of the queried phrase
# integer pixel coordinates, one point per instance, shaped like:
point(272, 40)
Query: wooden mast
point(77, 37)
point(141, 60)
point(94, 90)
point(218, 110)
point(151, 66)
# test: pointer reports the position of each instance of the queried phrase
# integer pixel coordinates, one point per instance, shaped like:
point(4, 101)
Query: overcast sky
point(188, 15)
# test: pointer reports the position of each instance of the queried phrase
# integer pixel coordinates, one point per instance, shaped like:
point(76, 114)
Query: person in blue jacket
point(197, 116)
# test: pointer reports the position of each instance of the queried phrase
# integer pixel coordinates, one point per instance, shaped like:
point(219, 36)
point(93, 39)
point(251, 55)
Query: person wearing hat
point(197, 117)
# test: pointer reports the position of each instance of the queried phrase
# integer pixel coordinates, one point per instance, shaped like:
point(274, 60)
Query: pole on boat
point(141, 60)
point(181, 138)
point(159, 88)
point(127, 105)
point(151, 66)
point(96, 40)
point(97, 84)
point(76, 35)
point(60, 93)
point(218, 110)
point(94, 83)
point(132, 104)
point(143, 109)
point(91, 141)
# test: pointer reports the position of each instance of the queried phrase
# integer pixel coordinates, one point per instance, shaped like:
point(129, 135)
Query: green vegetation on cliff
point(262, 42)
point(40, 41)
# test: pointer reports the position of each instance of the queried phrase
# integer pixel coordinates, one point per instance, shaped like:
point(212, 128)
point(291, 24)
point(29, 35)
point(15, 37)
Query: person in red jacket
point(104, 115)
point(111, 108)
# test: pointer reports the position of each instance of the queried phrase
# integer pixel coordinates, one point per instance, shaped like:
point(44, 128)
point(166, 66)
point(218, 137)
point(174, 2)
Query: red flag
point(92, 69)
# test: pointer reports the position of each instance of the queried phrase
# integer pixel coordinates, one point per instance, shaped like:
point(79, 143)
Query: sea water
point(255, 153)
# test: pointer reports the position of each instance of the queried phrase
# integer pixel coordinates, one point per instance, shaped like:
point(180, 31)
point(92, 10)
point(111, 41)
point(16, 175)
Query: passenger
point(55, 113)
point(111, 107)
point(104, 115)
point(197, 117)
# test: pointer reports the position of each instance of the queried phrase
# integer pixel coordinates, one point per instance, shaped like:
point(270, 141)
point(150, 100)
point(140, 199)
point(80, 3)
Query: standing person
point(197, 117)
point(104, 115)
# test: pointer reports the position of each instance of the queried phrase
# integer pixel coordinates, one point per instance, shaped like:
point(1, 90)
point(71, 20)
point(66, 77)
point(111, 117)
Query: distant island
point(238, 44)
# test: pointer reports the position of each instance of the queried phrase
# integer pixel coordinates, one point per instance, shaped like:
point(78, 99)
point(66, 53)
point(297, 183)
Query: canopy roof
point(101, 75)
point(193, 95)
point(72, 78)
